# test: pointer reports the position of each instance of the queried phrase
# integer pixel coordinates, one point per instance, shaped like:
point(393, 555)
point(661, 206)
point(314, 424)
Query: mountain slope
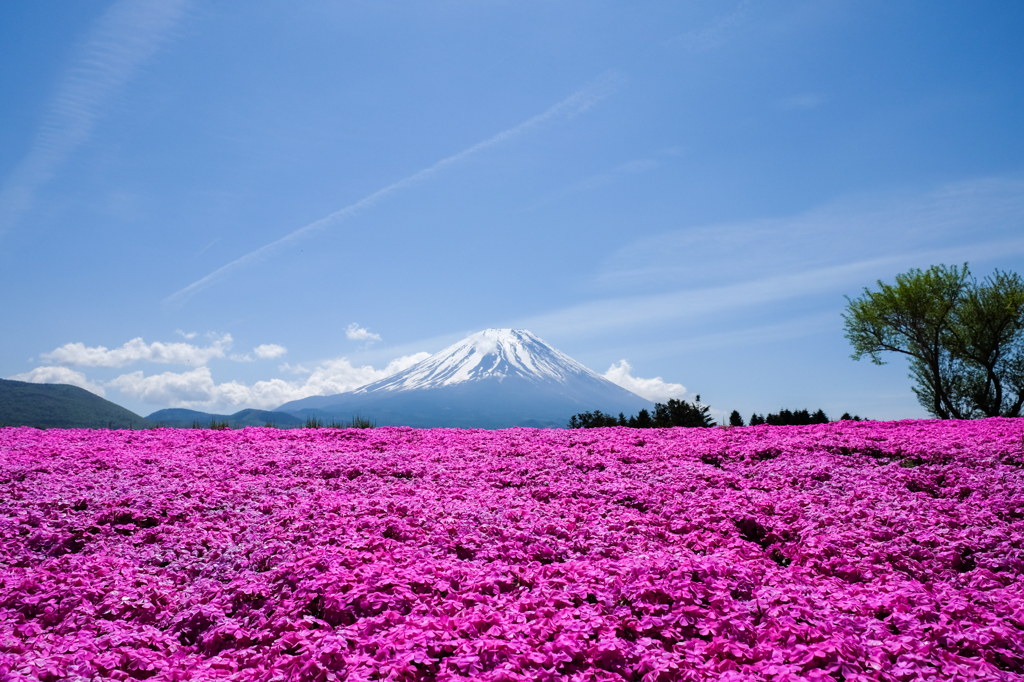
point(493, 379)
point(178, 418)
point(63, 406)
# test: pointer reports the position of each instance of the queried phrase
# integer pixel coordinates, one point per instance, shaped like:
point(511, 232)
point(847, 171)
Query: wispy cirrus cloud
point(714, 33)
point(617, 313)
point(965, 218)
point(573, 105)
point(834, 249)
point(120, 42)
point(634, 167)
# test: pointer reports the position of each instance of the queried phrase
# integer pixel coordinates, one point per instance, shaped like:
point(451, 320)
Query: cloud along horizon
point(197, 387)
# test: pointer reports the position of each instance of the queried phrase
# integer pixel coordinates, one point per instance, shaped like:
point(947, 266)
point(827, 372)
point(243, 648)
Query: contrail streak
point(571, 106)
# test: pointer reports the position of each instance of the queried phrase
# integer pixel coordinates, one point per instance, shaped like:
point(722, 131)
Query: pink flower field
point(845, 551)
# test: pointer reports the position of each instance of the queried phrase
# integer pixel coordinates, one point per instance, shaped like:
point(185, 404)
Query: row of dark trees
point(682, 413)
point(789, 418)
point(673, 413)
point(783, 418)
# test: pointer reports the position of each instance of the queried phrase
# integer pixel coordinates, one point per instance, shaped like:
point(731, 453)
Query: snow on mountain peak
point(493, 353)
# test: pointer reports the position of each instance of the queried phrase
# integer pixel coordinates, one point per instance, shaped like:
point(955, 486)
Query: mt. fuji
point(492, 379)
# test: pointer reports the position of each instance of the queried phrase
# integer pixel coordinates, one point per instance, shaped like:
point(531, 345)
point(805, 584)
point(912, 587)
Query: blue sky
point(225, 205)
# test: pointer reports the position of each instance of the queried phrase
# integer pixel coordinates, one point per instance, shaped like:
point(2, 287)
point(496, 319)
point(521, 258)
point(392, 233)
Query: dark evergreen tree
point(592, 420)
point(735, 419)
point(681, 413)
point(643, 420)
point(673, 413)
point(787, 417)
point(756, 419)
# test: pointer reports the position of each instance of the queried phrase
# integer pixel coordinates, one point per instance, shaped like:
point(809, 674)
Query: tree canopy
point(672, 413)
point(964, 338)
point(681, 413)
point(787, 417)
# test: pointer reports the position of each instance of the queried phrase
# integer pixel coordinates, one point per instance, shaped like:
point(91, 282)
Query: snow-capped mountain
point(494, 353)
point(492, 379)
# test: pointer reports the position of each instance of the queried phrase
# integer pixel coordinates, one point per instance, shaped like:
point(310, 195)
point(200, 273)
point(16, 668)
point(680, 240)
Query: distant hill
point(178, 418)
point(491, 380)
point(61, 406)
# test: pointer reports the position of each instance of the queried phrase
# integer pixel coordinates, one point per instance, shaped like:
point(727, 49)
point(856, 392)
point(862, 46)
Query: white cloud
point(269, 350)
point(59, 375)
point(241, 357)
point(293, 369)
point(405, 362)
point(656, 389)
point(190, 335)
point(170, 388)
point(357, 333)
point(198, 389)
point(127, 34)
point(138, 350)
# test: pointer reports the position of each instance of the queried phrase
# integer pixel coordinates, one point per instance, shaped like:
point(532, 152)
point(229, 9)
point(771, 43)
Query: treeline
point(673, 413)
point(681, 413)
point(783, 418)
point(789, 418)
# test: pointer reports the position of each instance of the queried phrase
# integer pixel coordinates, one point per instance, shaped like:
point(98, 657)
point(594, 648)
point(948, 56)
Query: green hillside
point(61, 406)
point(179, 418)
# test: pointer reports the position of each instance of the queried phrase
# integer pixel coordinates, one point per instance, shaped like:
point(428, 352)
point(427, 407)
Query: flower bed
point(856, 551)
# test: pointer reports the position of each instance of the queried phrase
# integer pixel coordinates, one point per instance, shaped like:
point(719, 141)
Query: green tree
point(787, 417)
point(965, 339)
point(592, 420)
point(735, 419)
point(681, 413)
